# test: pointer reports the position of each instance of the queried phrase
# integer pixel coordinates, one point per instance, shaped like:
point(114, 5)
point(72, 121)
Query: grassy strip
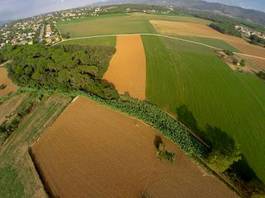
point(14, 152)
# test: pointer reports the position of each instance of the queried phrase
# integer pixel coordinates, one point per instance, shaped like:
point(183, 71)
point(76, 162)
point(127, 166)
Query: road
point(159, 35)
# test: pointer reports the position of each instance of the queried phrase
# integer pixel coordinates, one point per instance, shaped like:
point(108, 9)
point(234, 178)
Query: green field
point(179, 73)
point(18, 177)
point(105, 41)
point(106, 25)
point(123, 24)
point(117, 24)
point(212, 42)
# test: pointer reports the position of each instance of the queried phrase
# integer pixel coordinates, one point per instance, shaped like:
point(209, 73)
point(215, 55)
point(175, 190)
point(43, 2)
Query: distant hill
point(233, 11)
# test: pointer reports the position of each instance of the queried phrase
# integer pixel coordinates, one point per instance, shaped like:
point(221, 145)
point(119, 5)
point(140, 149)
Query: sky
point(251, 4)
point(15, 9)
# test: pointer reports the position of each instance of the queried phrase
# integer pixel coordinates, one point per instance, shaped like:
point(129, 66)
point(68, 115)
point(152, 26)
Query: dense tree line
point(225, 28)
point(261, 75)
point(254, 39)
point(69, 67)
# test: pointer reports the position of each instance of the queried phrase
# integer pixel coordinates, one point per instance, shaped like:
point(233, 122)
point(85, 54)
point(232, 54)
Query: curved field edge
point(21, 178)
point(216, 96)
point(74, 141)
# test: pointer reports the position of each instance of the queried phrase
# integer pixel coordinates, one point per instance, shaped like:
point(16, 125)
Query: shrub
point(154, 116)
point(3, 86)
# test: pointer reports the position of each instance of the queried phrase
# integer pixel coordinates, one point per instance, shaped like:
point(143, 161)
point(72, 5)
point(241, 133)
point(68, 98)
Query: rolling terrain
point(73, 152)
point(183, 73)
point(170, 78)
point(125, 71)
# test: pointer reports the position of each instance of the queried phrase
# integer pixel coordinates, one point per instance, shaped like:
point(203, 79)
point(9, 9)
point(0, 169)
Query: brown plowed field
point(127, 70)
point(93, 151)
point(6, 81)
point(202, 30)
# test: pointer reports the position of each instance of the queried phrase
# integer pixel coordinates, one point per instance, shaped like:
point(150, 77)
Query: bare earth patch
point(127, 70)
point(93, 151)
point(201, 30)
point(4, 80)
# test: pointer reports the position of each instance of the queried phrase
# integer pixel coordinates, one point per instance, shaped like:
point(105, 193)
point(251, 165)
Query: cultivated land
point(193, 76)
point(116, 24)
point(182, 73)
point(127, 69)
point(105, 41)
point(197, 29)
point(18, 177)
point(4, 80)
point(99, 152)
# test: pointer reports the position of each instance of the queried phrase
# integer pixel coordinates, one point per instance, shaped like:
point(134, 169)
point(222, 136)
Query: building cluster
point(42, 28)
point(247, 32)
point(29, 31)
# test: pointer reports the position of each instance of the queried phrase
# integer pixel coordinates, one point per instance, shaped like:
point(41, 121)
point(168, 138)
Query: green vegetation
point(118, 24)
point(261, 75)
point(213, 42)
point(2, 86)
point(62, 67)
point(13, 121)
point(216, 96)
point(18, 177)
point(257, 40)
point(2, 58)
point(225, 28)
point(162, 153)
point(154, 116)
point(104, 41)
point(10, 186)
point(115, 24)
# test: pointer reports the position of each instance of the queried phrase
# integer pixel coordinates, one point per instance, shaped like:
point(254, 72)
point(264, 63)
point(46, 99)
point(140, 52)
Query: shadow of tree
point(225, 146)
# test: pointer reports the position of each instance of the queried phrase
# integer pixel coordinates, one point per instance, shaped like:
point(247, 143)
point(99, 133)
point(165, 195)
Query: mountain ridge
point(250, 15)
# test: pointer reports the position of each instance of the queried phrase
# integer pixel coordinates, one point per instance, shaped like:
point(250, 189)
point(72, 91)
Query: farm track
point(163, 36)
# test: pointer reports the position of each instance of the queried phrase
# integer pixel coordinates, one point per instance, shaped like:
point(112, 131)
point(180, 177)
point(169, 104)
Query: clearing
point(127, 69)
point(100, 152)
point(4, 80)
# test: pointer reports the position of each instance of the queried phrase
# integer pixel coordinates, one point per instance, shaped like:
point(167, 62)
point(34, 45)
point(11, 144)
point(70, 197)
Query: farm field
point(195, 29)
point(100, 152)
point(18, 177)
point(127, 69)
point(4, 80)
point(218, 43)
point(180, 73)
point(105, 41)
point(119, 24)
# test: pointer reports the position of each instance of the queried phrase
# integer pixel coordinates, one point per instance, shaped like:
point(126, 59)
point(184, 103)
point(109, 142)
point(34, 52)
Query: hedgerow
point(152, 115)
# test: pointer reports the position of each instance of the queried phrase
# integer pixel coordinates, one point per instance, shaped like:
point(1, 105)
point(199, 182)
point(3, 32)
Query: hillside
point(198, 5)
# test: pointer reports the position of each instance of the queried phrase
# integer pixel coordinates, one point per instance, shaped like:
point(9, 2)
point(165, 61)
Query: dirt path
point(257, 57)
point(127, 70)
point(103, 153)
point(4, 80)
point(201, 30)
